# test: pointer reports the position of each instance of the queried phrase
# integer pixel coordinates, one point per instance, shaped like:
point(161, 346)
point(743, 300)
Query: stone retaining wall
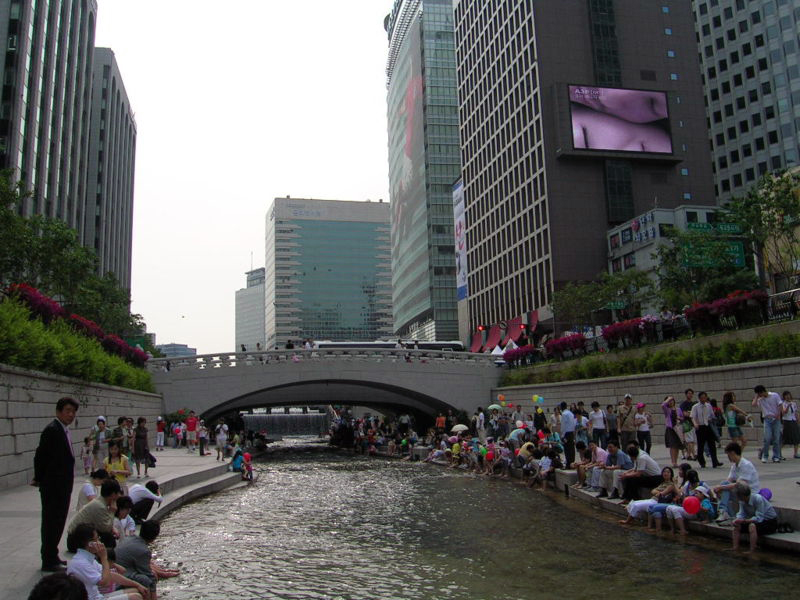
point(27, 405)
point(651, 388)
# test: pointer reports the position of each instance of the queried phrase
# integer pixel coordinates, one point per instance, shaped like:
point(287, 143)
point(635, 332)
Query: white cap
point(158, 418)
point(101, 418)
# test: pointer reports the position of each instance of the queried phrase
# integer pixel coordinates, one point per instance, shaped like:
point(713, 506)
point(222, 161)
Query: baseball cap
point(628, 396)
point(101, 418)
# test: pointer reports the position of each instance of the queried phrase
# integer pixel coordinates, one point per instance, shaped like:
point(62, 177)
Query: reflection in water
point(329, 527)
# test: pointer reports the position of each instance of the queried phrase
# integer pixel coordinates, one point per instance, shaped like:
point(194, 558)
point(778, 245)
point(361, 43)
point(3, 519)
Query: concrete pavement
point(182, 476)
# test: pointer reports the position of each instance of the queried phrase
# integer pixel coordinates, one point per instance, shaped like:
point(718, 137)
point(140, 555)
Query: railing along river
point(289, 357)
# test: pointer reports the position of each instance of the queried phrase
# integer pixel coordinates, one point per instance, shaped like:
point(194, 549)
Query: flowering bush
point(40, 305)
point(630, 329)
point(517, 354)
point(559, 346)
point(739, 304)
point(48, 310)
point(86, 327)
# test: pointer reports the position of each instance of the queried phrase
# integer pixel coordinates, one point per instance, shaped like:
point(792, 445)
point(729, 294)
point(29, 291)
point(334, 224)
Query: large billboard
point(406, 116)
point(461, 241)
point(614, 119)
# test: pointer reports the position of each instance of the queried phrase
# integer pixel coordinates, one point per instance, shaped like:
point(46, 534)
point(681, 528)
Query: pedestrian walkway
point(180, 474)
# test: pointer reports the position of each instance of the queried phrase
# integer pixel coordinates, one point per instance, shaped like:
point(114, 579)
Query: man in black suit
point(53, 472)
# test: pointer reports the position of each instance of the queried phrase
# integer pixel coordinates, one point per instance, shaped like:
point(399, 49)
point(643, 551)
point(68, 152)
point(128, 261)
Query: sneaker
point(614, 495)
point(764, 460)
point(723, 516)
point(776, 460)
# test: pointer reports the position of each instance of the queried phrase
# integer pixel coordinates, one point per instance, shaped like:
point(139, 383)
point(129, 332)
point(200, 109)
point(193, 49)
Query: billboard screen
point(461, 241)
point(409, 219)
point(619, 120)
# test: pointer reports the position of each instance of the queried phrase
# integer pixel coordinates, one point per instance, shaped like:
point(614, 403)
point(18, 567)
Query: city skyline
point(223, 129)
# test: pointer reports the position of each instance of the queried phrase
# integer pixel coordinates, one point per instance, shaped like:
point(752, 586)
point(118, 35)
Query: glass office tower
point(750, 56)
point(328, 271)
point(424, 162)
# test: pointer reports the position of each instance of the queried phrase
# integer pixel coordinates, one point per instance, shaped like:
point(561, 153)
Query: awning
point(477, 342)
point(533, 320)
point(513, 330)
point(495, 333)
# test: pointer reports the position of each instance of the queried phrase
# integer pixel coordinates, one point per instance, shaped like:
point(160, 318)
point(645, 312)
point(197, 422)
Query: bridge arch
point(422, 381)
point(375, 395)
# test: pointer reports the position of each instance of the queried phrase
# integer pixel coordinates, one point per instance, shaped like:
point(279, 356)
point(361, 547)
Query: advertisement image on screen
point(619, 119)
point(460, 241)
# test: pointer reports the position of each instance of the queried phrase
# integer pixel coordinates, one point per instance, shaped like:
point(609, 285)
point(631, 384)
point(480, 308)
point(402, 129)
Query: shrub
point(28, 343)
point(767, 347)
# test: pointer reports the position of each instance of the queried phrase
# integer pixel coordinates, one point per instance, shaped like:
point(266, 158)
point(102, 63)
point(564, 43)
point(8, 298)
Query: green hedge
point(29, 343)
point(767, 347)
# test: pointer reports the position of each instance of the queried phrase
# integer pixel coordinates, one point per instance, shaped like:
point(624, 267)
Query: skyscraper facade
point(575, 116)
point(46, 103)
point(327, 271)
point(108, 223)
point(750, 58)
point(250, 328)
point(423, 165)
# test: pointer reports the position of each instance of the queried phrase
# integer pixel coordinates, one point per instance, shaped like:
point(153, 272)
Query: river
point(323, 526)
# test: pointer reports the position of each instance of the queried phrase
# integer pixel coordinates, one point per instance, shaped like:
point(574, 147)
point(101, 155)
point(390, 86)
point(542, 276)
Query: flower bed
point(767, 347)
point(26, 341)
point(49, 311)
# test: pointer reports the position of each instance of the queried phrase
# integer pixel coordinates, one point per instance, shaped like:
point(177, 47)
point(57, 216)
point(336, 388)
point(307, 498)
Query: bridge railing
point(294, 357)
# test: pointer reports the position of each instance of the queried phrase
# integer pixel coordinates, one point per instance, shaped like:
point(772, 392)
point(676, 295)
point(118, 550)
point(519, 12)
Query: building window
point(670, 53)
point(668, 31)
point(673, 76)
point(684, 172)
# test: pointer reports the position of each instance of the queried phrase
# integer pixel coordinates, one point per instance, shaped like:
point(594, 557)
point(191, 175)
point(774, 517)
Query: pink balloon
point(691, 505)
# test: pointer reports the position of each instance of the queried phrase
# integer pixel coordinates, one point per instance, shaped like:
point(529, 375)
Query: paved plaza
point(20, 519)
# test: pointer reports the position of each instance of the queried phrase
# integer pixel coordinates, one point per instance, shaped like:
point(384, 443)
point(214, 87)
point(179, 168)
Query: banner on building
point(461, 241)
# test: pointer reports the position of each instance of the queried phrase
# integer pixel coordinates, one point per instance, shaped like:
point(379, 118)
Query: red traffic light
point(522, 326)
point(481, 327)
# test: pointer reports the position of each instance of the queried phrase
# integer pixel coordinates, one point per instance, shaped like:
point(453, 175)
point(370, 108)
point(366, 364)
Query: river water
point(322, 526)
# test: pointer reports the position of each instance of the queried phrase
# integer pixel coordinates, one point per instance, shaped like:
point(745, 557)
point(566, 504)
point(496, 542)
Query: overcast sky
point(237, 103)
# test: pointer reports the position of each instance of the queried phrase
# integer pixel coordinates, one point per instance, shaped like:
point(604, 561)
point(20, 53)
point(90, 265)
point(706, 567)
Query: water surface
point(321, 526)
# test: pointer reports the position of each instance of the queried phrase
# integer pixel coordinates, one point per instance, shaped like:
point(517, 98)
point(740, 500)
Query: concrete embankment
point(182, 476)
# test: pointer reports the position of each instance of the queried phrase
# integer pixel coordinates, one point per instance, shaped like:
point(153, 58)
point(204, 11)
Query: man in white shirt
point(771, 405)
point(222, 439)
point(568, 424)
point(143, 497)
point(741, 470)
point(85, 566)
point(645, 473)
point(481, 425)
point(702, 415)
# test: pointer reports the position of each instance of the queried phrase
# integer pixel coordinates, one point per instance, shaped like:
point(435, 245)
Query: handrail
point(266, 357)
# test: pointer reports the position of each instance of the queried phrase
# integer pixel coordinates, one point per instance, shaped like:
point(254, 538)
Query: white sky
point(236, 103)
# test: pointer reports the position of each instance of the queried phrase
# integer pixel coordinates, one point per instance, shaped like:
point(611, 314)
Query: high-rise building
point(66, 127)
point(750, 58)
point(250, 328)
point(327, 271)
point(576, 116)
point(108, 227)
point(46, 103)
point(423, 166)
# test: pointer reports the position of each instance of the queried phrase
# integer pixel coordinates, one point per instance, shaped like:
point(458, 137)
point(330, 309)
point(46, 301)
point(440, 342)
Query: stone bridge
point(423, 382)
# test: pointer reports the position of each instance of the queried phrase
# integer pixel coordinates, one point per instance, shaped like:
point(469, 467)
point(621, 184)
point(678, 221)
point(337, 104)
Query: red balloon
point(490, 455)
point(516, 451)
point(691, 505)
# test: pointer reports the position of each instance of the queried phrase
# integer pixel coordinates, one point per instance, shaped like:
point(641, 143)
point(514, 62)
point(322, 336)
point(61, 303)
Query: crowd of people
point(610, 451)
point(111, 560)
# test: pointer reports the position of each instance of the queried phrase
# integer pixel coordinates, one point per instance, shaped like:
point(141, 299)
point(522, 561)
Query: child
point(247, 468)
point(124, 525)
point(86, 455)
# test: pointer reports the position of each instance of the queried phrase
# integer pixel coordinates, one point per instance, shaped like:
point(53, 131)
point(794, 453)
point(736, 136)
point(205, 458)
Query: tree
point(45, 253)
point(700, 266)
point(769, 216)
point(635, 288)
point(574, 304)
